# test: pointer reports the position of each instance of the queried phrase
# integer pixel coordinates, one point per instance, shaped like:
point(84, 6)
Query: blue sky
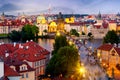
point(64, 6)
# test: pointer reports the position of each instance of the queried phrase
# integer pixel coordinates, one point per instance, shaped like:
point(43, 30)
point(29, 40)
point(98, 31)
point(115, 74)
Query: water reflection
point(46, 43)
point(5, 40)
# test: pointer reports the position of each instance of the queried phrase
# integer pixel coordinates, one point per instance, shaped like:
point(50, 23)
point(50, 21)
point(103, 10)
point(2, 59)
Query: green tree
point(60, 41)
point(65, 62)
point(83, 33)
point(89, 34)
point(15, 35)
point(29, 32)
point(74, 32)
point(111, 37)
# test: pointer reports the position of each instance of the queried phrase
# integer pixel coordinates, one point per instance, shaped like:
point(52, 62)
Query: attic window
point(113, 53)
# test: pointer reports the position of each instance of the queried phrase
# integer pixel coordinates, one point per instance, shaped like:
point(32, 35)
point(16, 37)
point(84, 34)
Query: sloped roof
point(117, 50)
point(30, 51)
point(9, 72)
point(106, 47)
point(17, 63)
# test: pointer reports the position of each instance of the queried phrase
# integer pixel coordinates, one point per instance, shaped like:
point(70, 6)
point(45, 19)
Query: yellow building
point(70, 20)
point(112, 26)
point(52, 27)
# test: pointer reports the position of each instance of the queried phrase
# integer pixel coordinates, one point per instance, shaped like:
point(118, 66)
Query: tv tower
point(49, 9)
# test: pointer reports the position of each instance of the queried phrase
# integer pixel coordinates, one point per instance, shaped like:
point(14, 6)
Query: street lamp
point(58, 33)
point(70, 43)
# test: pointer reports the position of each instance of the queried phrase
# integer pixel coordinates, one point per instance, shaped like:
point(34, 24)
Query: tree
point(15, 35)
point(83, 33)
point(65, 62)
point(74, 32)
point(111, 37)
point(29, 32)
point(60, 41)
point(89, 34)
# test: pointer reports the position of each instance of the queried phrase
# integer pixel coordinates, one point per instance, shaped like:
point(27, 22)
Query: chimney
point(27, 41)
point(6, 54)
point(115, 45)
point(14, 44)
point(27, 47)
point(19, 45)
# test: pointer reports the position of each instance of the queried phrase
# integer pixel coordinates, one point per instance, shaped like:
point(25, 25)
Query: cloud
point(8, 7)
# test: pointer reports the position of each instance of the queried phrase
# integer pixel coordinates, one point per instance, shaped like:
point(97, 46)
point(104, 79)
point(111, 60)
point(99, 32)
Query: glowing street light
point(82, 70)
point(70, 43)
point(58, 33)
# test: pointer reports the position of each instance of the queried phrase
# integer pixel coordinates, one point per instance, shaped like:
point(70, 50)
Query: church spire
point(99, 15)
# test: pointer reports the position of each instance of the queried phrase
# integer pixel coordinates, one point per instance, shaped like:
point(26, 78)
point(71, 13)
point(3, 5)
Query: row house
point(7, 26)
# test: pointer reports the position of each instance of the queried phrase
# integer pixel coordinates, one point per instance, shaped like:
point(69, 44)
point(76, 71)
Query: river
point(48, 43)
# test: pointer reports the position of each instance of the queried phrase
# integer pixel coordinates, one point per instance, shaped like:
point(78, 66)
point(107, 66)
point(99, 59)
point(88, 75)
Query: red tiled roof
point(17, 63)
point(112, 21)
point(117, 50)
point(76, 24)
point(97, 26)
point(9, 72)
point(106, 47)
point(105, 25)
point(31, 51)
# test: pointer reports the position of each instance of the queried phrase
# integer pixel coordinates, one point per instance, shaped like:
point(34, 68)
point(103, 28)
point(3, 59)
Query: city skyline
point(64, 6)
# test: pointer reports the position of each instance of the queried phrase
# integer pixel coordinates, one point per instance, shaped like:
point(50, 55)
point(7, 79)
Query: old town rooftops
point(29, 51)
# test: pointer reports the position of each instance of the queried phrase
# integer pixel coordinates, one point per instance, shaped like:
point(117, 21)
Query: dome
point(40, 18)
point(53, 24)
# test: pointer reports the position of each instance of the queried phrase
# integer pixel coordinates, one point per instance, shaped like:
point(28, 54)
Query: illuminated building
point(109, 56)
point(70, 20)
point(41, 24)
point(112, 25)
point(60, 22)
point(52, 27)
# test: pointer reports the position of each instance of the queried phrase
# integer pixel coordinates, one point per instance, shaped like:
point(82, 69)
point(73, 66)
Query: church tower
point(60, 22)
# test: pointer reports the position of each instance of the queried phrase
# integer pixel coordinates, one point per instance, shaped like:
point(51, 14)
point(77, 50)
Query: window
point(22, 75)
point(26, 75)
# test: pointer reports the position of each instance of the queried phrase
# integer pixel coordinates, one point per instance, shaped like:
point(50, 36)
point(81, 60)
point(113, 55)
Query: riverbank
point(3, 36)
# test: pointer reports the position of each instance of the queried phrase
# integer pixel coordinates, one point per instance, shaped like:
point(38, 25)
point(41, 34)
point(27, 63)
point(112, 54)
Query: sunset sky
point(65, 6)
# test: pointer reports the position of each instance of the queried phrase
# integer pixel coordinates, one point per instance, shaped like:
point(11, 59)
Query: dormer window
point(113, 53)
point(13, 67)
point(23, 67)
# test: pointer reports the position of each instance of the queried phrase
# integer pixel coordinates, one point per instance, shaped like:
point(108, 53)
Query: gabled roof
point(117, 50)
point(9, 72)
point(106, 47)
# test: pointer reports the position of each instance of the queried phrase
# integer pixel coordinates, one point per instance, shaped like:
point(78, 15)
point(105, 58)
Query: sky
point(56, 6)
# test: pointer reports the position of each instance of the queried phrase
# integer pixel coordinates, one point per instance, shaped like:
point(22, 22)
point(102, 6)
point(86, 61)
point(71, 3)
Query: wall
point(1, 69)
point(14, 78)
